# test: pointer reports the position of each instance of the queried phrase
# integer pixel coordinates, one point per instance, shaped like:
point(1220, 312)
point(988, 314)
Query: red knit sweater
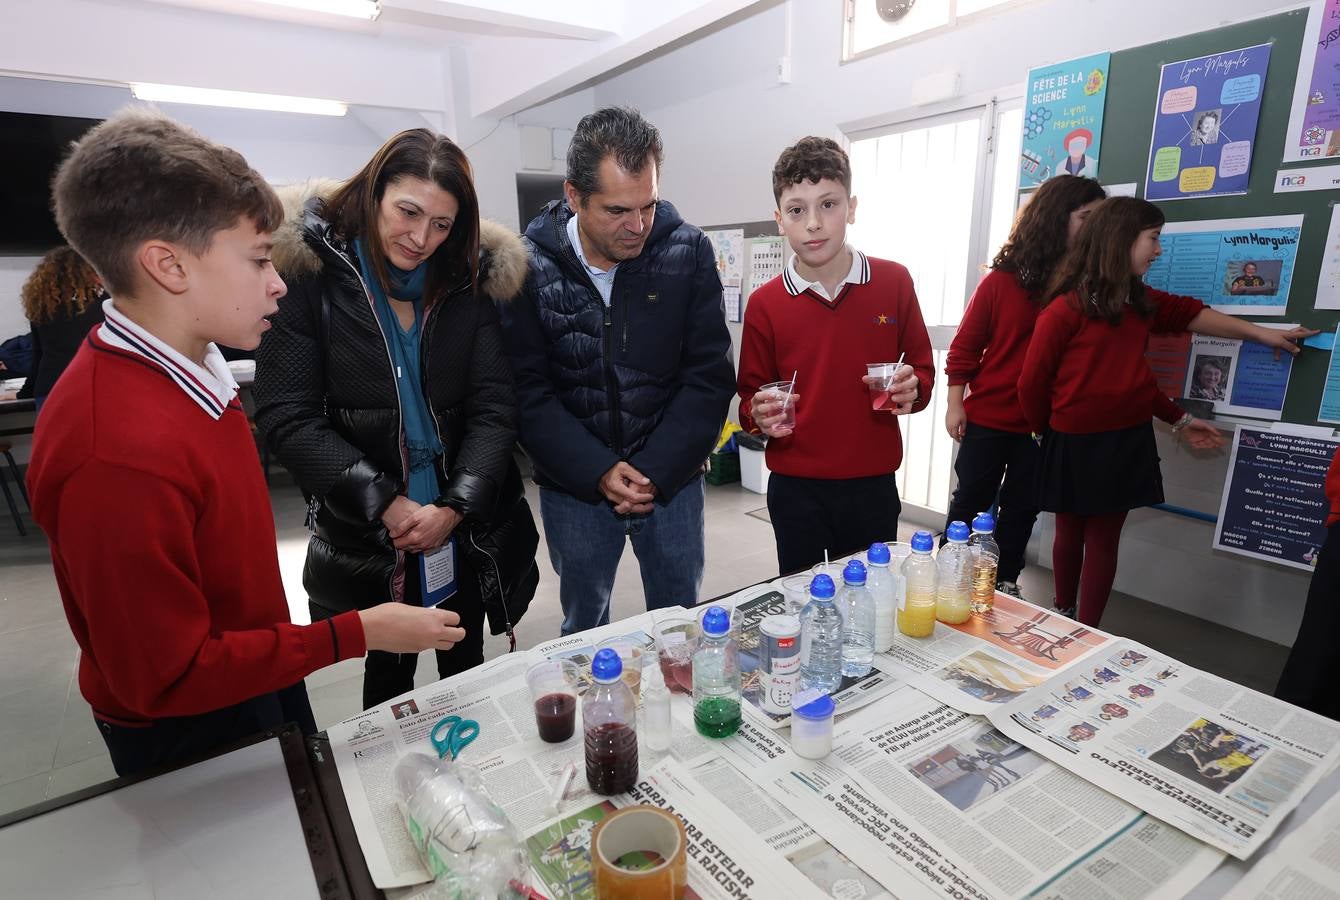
point(163, 542)
point(988, 349)
point(837, 434)
point(1084, 375)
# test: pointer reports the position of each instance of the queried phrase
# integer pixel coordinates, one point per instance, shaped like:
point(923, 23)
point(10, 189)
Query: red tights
point(1084, 561)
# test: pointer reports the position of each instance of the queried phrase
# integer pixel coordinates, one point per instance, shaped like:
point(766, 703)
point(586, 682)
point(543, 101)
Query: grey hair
point(617, 131)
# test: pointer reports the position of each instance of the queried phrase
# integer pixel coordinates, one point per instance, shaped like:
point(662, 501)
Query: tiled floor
point(48, 745)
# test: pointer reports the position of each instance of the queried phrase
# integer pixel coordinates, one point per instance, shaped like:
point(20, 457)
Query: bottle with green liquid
point(716, 677)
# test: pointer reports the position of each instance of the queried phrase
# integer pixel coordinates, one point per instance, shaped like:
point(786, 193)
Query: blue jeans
point(586, 540)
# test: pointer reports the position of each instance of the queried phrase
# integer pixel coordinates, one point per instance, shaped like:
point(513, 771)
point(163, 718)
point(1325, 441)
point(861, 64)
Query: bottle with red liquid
point(609, 726)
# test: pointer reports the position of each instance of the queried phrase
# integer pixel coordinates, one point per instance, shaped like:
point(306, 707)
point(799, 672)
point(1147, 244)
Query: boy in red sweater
point(144, 475)
point(832, 311)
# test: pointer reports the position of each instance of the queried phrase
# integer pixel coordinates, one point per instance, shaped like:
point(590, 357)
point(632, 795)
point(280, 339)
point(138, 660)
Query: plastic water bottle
point(953, 600)
point(985, 562)
point(916, 611)
point(857, 608)
point(609, 727)
point(716, 677)
point(880, 582)
point(656, 721)
point(821, 638)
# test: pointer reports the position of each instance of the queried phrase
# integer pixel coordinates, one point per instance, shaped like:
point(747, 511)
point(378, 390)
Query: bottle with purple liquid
point(609, 727)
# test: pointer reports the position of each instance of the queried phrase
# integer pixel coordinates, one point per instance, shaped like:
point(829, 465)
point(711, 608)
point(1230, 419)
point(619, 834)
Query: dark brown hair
point(63, 280)
point(423, 154)
point(810, 159)
point(1038, 238)
point(141, 176)
point(1098, 267)
point(617, 132)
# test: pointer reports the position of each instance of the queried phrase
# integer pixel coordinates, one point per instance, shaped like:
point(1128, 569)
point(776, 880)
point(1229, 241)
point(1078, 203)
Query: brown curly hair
point(1037, 240)
point(810, 159)
point(62, 281)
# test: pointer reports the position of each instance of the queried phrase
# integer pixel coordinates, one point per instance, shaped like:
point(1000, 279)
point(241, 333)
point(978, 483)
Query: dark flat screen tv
point(31, 147)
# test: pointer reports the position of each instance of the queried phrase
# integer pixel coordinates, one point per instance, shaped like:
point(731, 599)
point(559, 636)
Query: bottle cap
point(923, 542)
point(818, 709)
point(854, 573)
point(985, 523)
point(716, 621)
point(822, 587)
point(606, 666)
point(878, 554)
point(957, 532)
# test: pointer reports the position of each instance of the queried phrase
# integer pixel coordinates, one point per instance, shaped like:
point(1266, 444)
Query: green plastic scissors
point(452, 734)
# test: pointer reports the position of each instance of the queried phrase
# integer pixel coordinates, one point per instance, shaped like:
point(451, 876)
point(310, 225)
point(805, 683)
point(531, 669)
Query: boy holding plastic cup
point(834, 444)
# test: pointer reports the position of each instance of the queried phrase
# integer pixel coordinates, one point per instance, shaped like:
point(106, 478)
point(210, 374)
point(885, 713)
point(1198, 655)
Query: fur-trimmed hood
point(503, 259)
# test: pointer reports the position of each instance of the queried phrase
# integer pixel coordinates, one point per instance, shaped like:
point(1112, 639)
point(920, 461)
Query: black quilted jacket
point(326, 401)
point(648, 380)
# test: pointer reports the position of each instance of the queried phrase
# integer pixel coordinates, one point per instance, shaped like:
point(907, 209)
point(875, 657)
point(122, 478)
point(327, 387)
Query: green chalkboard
point(1127, 125)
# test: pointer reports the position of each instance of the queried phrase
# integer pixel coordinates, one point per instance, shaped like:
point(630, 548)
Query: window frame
point(848, 13)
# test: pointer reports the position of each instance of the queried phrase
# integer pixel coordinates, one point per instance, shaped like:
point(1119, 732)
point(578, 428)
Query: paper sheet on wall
point(728, 248)
point(731, 297)
point(1240, 378)
point(1063, 120)
point(1235, 265)
point(766, 258)
point(1205, 124)
point(1314, 117)
point(1330, 394)
point(1328, 281)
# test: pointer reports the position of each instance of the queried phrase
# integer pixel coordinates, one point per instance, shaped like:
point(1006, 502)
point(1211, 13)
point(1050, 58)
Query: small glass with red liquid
point(676, 641)
point(553, 689)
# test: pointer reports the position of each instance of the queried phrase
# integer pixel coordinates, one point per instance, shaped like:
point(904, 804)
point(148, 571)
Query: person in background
point(384, 390)
point(62, 299)
point(623, 369)
point(1086, 385)
point(832, 311)
point(144, 475)
point(997, 457)
point(1309, 676)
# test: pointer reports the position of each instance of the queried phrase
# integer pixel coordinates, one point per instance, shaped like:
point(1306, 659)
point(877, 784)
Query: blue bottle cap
point(716, 621)
point(958, 532)
point(923, 542)
point(822, 587)
point(854, 573)
point(819, 709)
point(878, 554)
point(984, 523)
point(606, 666)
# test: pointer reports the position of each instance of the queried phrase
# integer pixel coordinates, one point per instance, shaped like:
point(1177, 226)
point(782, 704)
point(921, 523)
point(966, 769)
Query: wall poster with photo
point(1241, 378)
point(1238, 266)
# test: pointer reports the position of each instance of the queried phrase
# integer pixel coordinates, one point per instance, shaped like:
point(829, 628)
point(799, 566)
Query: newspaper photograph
point(725, 860)
point(916, 792)
point(1218, 760)
point(994, 657)
point(750, 607)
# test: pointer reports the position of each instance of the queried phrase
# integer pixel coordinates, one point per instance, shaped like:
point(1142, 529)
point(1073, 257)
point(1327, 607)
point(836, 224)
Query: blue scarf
point(419, 432)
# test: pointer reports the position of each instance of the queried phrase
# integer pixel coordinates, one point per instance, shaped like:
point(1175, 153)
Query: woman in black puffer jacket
point(383, 388)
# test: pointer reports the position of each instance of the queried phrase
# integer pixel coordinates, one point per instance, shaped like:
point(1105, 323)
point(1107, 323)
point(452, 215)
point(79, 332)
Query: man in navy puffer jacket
point(623, 372)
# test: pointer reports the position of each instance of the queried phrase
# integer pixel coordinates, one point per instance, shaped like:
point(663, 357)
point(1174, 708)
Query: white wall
point(725, 118)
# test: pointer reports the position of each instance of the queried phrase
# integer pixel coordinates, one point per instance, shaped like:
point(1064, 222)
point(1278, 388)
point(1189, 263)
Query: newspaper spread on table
point(919, 797)
point(749, 608)
point(993, 657)
point(922, 795)
point(1218, 760)
point(1305, 864)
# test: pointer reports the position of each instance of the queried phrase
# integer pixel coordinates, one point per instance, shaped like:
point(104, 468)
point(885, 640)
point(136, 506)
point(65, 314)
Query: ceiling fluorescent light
point(171, 93)
point(357, 9)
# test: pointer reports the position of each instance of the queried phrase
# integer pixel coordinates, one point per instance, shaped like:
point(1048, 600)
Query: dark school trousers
point(837, 515)
point(985, 457)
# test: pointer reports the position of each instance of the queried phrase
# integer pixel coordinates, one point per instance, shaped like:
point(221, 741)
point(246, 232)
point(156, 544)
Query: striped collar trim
point(211, 386)
point(795, 284)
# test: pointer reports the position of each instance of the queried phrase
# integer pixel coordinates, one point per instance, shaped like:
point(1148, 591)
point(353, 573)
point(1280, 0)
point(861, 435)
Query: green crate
point(723, 468)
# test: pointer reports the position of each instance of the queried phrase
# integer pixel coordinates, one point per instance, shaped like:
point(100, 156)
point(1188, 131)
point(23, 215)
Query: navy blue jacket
point(648, 380)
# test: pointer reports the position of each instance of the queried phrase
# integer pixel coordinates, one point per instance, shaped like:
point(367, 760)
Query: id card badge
point(437, 573)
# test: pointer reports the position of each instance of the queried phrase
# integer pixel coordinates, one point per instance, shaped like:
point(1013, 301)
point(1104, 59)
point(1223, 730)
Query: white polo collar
point(795, 284)
point(212, 386)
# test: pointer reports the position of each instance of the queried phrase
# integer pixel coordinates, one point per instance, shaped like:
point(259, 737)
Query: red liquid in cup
point(678, 673)
point(611, 758)
point(556, 717)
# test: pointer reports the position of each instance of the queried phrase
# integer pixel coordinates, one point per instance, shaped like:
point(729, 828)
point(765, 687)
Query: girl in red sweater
point(984, 362)
point(1087, 387)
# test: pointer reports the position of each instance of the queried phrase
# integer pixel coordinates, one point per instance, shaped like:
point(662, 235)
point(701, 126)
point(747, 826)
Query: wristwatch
point(1183, 422)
